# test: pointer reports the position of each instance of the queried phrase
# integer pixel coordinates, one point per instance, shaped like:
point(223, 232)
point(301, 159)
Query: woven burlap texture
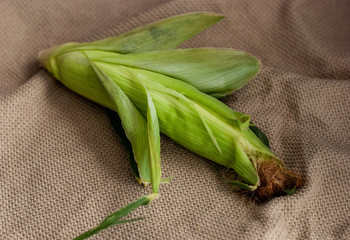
point(63, 168)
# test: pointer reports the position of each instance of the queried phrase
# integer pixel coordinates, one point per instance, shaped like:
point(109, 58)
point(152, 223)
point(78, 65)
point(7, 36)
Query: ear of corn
point(195, 120)
point(154, 89)
point(167, 86)
point(187, 115)
point(68, 62)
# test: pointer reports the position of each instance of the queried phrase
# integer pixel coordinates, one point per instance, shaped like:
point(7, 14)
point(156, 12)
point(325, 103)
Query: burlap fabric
point(63, 169)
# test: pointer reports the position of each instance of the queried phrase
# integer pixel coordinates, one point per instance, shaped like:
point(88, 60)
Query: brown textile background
point(63, 169)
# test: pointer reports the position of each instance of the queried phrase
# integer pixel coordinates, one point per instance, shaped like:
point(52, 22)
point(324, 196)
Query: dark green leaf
point(118, 128)
point(133, 123)
point(263, 138)
point(289, 191)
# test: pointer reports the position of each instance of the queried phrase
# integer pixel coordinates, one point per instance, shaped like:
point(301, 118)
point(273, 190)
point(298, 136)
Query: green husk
point(143, 135)
point(154, 89)
point(230, 69)
point(165, 34)
point(168, 86)
point(225, 70)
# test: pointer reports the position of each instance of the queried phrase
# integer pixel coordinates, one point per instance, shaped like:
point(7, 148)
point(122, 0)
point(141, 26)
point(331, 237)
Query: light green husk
point(195, 120)
point(166, 86)
point(154, 89)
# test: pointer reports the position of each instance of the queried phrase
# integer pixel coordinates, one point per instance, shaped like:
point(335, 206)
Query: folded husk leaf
point(143, 135)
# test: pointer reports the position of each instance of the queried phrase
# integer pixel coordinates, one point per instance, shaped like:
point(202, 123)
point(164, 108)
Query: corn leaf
point(115, 218)
point(168, 33)
point(154, 143)
point(243, 165)
point(217, 72)
point(133, 123)
point(118, 128)
point(263, 138)
point(153, 139)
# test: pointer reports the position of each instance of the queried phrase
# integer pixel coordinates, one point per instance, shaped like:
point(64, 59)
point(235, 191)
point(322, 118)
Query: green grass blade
point(115, 217)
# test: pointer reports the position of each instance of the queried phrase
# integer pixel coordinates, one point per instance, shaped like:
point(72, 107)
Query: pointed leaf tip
point(115, 218)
